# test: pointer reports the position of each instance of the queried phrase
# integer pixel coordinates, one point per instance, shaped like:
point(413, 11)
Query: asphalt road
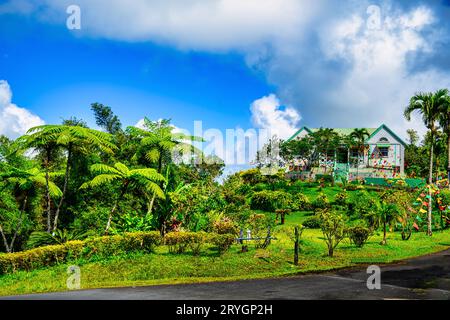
point(426, 277)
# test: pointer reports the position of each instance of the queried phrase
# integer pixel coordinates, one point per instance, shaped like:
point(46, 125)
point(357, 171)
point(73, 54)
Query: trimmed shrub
point(358, 235)
point(225, 226)
point(262, 200)
point(72, 250)
point(223, 242)
point(271, 200)
point(302, 202)
point(324, 178)
point(178, 242)
point(341, 198)
point(121, 244)
point(40, 257)
point(321, 202)
point(312, 223)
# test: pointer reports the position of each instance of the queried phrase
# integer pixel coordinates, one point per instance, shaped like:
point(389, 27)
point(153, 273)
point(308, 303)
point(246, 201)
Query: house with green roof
point(383, 156)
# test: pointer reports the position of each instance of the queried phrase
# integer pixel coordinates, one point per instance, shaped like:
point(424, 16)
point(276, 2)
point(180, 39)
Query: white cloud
point(190, 24)
point(320, 55)
point(378, 84)
point(267, 114)
point(14, 121)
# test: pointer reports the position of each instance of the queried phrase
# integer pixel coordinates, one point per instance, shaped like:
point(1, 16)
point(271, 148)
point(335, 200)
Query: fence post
point(296, 236)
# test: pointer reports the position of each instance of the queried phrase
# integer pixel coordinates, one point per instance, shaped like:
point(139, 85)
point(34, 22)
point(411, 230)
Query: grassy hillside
point(162, 267)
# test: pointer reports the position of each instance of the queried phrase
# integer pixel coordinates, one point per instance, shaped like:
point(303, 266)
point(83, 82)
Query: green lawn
point(164, 268)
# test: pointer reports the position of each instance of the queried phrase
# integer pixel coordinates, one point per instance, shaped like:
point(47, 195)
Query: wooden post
point(296, 246)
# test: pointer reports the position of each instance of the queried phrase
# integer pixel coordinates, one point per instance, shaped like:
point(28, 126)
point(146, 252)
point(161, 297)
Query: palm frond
point(100, 180)
point(100, 168)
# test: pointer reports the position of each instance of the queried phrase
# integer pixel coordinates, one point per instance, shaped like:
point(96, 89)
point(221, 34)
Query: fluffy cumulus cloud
point(267, 113)
point(190, 24)
point(14, 121)
point(335, 61)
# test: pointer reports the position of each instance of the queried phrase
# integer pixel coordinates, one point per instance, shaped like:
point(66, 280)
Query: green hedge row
point(100, 247)
point(178, 242)
point(108, 246)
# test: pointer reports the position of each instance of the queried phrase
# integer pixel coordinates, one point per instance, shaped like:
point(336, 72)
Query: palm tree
point(44, 143)
point(388, 215)
point(359, 136)
point(27, 181)
point(428, 105)
point(444, 122)
point(73, 138)
point(142, 179)
point(157, 143)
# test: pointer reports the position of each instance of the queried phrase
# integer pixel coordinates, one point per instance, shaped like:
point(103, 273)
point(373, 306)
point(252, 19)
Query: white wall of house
point(396, 151)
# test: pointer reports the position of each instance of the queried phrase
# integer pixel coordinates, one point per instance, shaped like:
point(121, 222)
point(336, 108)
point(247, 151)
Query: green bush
point(121, 244)
point(271, 200)
point(358, 235)
point(223, 242)
point(326, 178)
point(225, 226)
point(353, 187)
point(262, 200)
point(341, 198)
point(312, 223)
point(40, 257)
point(302, 202)
point(182, 240)
point(260, 187)
point(72, 250)
point(321, 202)
point(259, 225)
point(178, 242)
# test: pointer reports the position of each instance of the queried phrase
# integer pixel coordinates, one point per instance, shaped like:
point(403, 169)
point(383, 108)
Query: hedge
point(72, 250)
point(107, 246)
point(178, 242)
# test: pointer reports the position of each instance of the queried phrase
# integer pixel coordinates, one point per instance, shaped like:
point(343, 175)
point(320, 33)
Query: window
point(354, 153)
point(384, 152)
point(383, 140)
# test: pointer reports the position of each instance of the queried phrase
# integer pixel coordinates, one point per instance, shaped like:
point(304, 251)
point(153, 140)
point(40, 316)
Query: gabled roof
point(346, 131)
point(298, 132)
point(385, 127)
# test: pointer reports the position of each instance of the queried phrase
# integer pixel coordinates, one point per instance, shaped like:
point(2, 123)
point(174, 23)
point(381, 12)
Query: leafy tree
point(43, 142)
point(106, 119)
point(333, 228)
point(158, 143)
point(359, 136)
point(28, 182)
point(11, 220)
point(429, 106)
point(413, 137)
point(395, 206)
point(326, 140)
point(444, 121)
point(128, 179)
point(389, 213)
point(73, 138)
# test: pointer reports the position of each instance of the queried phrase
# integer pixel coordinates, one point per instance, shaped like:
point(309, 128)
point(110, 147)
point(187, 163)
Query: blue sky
point(276, 64)
point(56, 74)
